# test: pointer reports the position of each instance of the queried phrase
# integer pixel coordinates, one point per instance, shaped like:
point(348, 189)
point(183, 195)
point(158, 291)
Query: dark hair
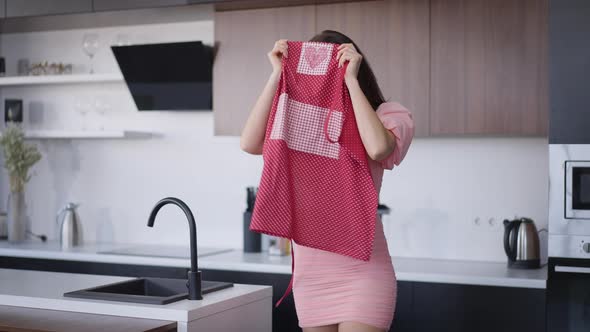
point(366, 77)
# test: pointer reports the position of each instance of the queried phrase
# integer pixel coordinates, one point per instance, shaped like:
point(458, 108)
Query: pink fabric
point(400, 122)
point(329, 288)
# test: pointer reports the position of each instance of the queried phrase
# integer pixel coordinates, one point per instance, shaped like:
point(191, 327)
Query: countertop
point(44, 290)
point(407, 269)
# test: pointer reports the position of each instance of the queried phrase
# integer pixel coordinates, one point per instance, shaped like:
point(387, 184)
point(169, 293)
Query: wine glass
point(101, 106)
point(121, 39)
point(90, 46)
point(82, 105)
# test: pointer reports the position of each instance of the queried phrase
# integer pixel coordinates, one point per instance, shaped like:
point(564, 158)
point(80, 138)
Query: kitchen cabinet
point(466, 308)
point(2, 9)
point(223, 5)
point(40, 320)
point(403, 318)
point(392, 34)
point(463, 67)
point(241, 66)
point(394, 37)
point(569, 52)
point(103, 5)
point(489, 67)
point(21, 8)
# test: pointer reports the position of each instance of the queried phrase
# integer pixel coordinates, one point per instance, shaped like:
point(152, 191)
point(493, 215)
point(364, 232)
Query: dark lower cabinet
point(420, 306)
point(458, 308)
point(403, 315)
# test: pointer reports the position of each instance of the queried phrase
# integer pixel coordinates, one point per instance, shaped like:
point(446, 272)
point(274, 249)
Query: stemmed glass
point(82, 105)
point(101, 106)
point(90, 46)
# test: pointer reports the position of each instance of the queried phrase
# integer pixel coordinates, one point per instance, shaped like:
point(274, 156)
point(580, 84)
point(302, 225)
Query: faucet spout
point(194, 275)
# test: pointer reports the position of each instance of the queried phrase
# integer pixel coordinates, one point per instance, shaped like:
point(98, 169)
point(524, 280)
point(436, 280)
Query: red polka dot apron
point(316, 186)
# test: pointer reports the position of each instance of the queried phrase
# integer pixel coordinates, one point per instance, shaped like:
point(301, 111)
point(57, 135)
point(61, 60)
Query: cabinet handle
point(572, 269)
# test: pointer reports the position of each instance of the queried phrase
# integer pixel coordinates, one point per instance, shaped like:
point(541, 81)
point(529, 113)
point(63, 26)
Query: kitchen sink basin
point(146, 290)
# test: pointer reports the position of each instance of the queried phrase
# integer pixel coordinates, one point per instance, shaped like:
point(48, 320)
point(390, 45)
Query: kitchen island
point(238, 308)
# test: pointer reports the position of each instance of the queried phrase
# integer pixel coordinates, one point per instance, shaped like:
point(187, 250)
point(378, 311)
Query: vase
point(17, 214)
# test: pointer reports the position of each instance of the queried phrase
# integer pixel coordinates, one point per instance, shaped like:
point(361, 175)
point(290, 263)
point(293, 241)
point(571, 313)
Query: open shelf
point(86, 134)
point(59, 79)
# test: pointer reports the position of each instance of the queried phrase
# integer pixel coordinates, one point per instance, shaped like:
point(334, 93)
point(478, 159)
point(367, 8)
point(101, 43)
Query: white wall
point(438, 191)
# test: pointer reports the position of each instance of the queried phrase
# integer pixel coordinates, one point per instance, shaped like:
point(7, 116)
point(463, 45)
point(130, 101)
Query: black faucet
point(194, 275)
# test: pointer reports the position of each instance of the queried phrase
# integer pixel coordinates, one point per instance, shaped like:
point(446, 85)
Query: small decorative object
point(19, 157)
point(45, 68)
point(13, 110)
point(2, 67)
point(279, 246)
point(90, 46)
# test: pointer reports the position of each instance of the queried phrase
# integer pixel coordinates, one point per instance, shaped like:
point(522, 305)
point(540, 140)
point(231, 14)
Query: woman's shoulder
point(392, 104)
point(393, 107)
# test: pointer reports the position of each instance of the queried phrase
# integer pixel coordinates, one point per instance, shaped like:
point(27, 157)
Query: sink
point(146, 290)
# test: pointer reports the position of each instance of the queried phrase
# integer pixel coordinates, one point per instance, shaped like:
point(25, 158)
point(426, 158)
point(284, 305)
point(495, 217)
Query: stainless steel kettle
point(70, 230)
point(521, 244)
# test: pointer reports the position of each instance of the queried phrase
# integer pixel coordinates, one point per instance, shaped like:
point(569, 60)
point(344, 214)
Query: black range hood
point(168, 76)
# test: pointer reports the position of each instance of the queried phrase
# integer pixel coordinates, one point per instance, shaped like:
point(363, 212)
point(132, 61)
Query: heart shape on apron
point(314, 55)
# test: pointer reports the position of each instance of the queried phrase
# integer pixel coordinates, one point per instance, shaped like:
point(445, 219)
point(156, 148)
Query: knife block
point(251, 239)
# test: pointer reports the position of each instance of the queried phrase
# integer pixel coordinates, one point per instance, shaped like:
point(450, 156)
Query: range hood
point(173, 76)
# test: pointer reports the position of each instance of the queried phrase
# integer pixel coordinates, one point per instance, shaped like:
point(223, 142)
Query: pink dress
point(330, 288)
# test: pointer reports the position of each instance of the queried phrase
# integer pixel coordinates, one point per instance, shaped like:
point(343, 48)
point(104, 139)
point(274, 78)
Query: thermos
point(70, 231)
point(251, 239)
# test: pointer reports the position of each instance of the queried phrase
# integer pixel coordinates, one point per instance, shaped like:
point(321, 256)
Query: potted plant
point(19, 157)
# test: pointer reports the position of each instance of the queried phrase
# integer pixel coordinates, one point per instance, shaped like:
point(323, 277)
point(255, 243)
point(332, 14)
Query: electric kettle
point(521, 243)
point(70, 231)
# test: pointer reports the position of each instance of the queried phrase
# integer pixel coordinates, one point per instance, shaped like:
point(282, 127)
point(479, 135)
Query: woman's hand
point(347, 52)
point(277, 53)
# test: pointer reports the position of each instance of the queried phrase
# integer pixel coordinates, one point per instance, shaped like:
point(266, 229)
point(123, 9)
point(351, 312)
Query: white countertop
point(44, 290)
point(407, 269)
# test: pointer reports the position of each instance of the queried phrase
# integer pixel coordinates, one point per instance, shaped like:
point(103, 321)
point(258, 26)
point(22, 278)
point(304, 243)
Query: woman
point(334, 292)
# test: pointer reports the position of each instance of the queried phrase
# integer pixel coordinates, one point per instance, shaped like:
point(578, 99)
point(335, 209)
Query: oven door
point(568, 295)
point(577, 190)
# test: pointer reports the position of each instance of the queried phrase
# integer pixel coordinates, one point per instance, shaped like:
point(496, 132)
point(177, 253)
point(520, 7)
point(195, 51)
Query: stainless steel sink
point(146, 290)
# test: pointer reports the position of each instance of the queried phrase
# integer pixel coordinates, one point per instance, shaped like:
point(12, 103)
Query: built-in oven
point(577, 189)
point(568, 283)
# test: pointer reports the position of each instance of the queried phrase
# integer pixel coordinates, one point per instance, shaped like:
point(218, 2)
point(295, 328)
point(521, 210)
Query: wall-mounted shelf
point(90, 134)
point(59, 79)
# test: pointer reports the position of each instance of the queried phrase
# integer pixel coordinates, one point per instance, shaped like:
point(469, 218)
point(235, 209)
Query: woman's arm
point(378, 141)
point(252, 137)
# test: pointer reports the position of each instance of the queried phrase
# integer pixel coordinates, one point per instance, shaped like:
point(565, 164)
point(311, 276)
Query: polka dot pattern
point(317, 200)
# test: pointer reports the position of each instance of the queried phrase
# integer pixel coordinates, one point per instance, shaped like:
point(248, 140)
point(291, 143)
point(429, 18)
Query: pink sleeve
point(397, 119)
